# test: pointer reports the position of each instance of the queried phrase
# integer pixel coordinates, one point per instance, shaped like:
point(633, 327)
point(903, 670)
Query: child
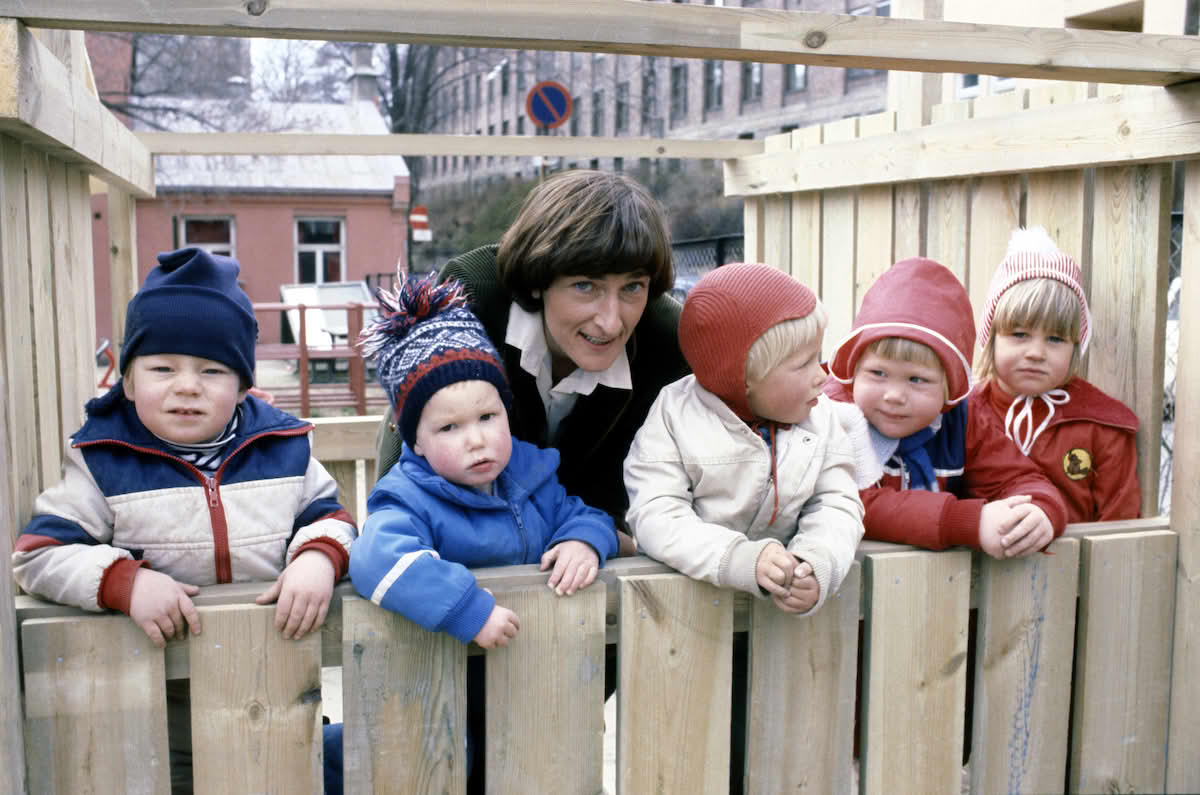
point(465, 493)
point(944, 475)
point(179, 479)
point(1034, 331)
point(742, 475)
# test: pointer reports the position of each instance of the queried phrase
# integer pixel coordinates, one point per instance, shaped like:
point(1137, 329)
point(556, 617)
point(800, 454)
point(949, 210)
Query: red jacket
point(993, 468)
point(1088, 450)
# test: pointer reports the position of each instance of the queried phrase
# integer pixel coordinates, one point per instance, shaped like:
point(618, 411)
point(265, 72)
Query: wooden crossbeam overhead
point(1140, 126)
point(633, 27)
point(41, 103)
point(345, 144)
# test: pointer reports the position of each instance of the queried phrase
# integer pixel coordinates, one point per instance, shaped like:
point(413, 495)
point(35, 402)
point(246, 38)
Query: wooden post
point(12, 739)
point(357, 367)
point(302, 365)
point(122, 238)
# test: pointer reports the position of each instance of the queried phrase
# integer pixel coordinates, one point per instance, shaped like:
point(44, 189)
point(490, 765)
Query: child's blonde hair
point(782, 340)
point(901, 349)
point(1045, 305)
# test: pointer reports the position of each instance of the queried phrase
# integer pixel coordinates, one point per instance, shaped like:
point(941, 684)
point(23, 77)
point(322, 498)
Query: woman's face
point(588, 319)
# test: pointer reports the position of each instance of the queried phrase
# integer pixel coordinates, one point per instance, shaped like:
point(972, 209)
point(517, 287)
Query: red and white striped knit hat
point(1033, 255)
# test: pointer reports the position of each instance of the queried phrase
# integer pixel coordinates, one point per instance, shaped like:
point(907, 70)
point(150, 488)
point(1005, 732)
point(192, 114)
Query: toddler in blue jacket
point(465, 493)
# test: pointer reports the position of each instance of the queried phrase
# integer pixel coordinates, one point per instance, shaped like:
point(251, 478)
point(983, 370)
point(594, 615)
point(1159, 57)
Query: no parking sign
point(548, 104)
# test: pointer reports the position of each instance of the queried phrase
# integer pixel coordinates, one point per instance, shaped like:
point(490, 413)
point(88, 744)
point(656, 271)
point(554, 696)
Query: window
point(795, 77)
point(504, 127)
point(520, 125)
point(597, 113)
point(649, 94)
point(967, 86)
point(714, 89)
point(751, 82)
point(575, 104)
point(491, 133)
point(618, 164)
point(521, 73)
point(877, 8)
point(679, 88)
point(214, 235)
point(622, 110)
point(320, 250)
point(504, 78)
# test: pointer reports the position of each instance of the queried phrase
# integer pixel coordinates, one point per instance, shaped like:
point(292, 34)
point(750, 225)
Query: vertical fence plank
point(256, 704)
point(675, 662)
point(1128, 301)
point(777, 215)
point(346, 475)
point(752, 228)
point(838, 237)
point(95, 706)
point(45, 314)
point(1026, 635)
point(873, 249)
point(123, 266)
point(802, 674)
point(914, 671)
point(12, 740)
point(806, 219)
point(404, 702)
point(73, 392)
point(1123, 655)
point(947, 224)
point(1183, 764)
point(82, 302)
point(995, 208)
point(17, 333)
point(545, 710)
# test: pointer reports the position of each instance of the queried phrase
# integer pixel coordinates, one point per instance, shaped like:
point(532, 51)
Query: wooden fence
point(1072, 652)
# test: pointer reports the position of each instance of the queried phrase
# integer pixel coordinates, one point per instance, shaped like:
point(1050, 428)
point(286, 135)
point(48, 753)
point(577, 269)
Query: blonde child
point(942, 475)
point(1033, 332)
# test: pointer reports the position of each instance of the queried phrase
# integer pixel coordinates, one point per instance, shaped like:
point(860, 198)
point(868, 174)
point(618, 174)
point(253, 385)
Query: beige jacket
point(701, 493)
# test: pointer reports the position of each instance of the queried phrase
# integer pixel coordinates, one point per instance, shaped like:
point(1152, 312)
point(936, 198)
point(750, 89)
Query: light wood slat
point(344, 438)
point(876, 216)
point(81, 301)
point(1128, 300)
point(69, 293)
point(1123, 655)
point(663, 29)
point(1026, 635)
point(1183, 767)
point(802, 674)
point(12, 741)
point(340, 144)
point(16, 297)
point(777, 215)
point(909, 229)
point(1141, 125)
point(839, 225)
point(752, 229)
point(344, 473)
point(675, 661)
point(994, 208)
point(404, 701)
point(545, 694)
point(45, 312)
point(42, 103)
point(947, 224)
point(123, 264)
point(914, 672)
point(256, 704)
point(94, 693)
point(806, 220)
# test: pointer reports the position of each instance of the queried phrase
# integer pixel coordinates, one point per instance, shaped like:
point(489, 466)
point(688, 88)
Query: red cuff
point(333, 550)
point(959, 522)
point(116, 585)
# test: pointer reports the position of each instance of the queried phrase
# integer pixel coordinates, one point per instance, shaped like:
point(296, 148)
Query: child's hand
point(160, 606)
point(501, 627)
point(773, 571)
point(575, 566)
point(1030, 535)
point(998, 519)
point(303, 590)
point(804, 592)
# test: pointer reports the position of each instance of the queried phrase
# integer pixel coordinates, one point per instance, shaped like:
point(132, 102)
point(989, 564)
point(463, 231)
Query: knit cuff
point(959, 523)
point(116, 584)
point(738, 570)
point(469, 615)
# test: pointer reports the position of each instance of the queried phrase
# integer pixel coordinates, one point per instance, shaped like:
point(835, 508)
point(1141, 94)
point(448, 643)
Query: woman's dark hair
point(585, 223)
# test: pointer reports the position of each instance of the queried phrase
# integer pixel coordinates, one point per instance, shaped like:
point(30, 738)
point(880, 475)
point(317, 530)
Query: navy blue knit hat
point(427, 339)
point(192, 304)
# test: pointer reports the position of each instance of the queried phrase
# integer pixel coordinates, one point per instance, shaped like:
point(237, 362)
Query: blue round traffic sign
point(548, 104)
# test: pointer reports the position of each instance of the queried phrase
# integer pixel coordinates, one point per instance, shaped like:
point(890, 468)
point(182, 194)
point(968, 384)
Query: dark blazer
point(595, 437)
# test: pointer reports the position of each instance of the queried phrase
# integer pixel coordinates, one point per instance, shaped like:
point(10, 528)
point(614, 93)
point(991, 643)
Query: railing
point(1070, 652)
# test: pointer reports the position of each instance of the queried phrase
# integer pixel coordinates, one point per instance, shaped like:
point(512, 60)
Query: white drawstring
point(1020, 424)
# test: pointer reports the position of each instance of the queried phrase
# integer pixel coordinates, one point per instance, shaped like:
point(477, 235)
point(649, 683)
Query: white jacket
point(701, 493)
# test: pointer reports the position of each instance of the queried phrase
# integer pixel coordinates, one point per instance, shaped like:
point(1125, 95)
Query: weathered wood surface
point(95, 707)
point(675, 661)
point(1139, 125)
point(12, 741)
point(681, 31)
point(43, 103)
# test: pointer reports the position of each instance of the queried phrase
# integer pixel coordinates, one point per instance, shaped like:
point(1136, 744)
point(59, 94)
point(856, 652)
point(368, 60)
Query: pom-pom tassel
point(408, 305)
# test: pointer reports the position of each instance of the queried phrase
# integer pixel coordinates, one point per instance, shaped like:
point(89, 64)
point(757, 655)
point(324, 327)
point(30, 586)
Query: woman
point(574, 296)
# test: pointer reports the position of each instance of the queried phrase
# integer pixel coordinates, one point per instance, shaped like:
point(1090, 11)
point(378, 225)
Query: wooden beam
point(678, 30)
point(1140, 126)
point(161, 143)
point(43, 104)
